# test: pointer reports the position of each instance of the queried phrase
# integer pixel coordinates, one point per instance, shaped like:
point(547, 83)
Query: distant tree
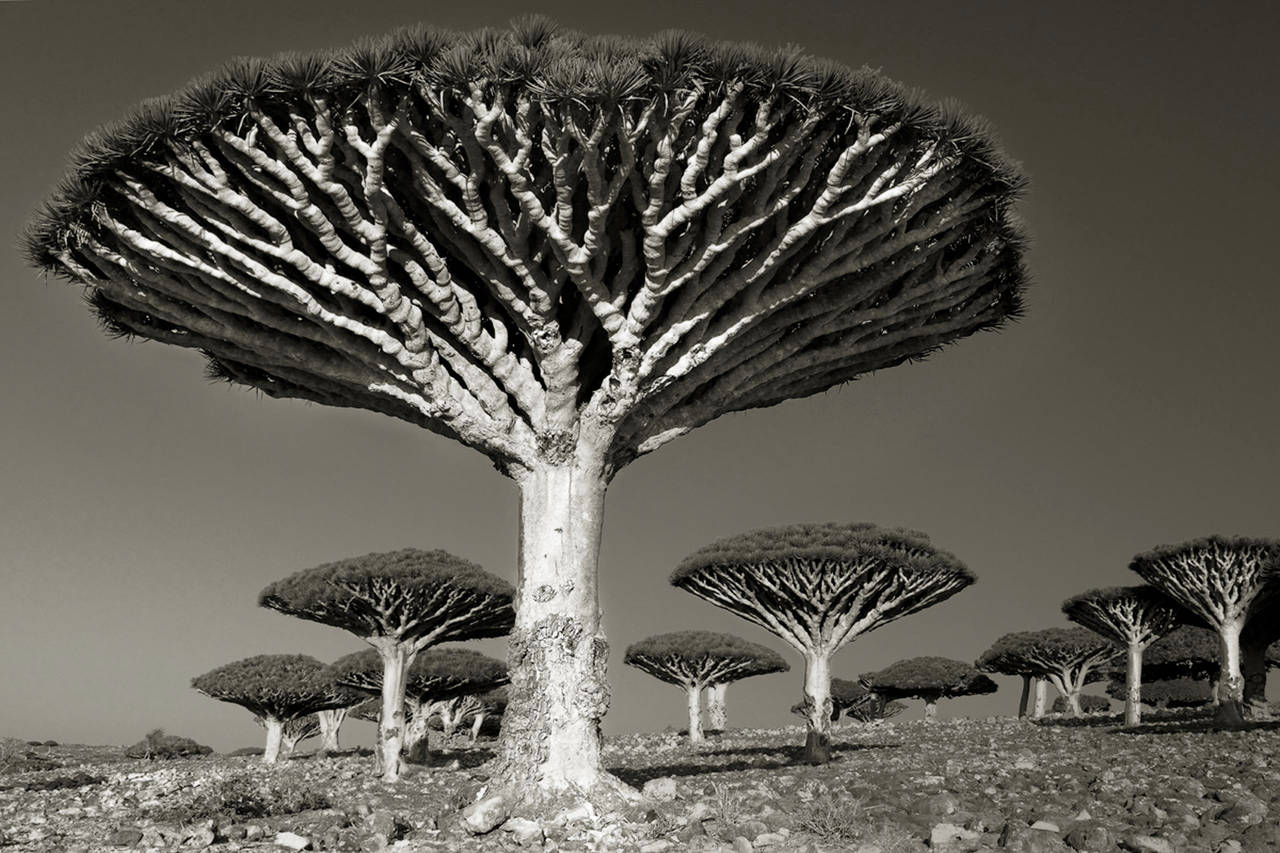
point(1133, 617)
point(819, 586)
point(294, 732)
point(1068, 658)
point(1187, 651)
point(1007, 656)
point(436, 675)
point(562, 250)
point(1168, 693)
point(278, 689)
point(1089, 704)
point(928, 678)
point(330, 722)
point(474, 708)
point(400, 603)
point(694, 660)
point(1224, 581)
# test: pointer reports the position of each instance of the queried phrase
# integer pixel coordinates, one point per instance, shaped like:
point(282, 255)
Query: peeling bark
point(391, 724)
point(817, 706)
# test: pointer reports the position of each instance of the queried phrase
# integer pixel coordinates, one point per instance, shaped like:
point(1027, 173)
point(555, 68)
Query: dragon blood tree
point(399, 602)
point(1134, 617)
point(1187, 651)
point(1168, 693)
point(1006, 657)
point(294, 732)
point(476, 708)
point(819, 586)
point(930, 679)
point(695, 660)
point(1068, 658)
point(278, 689)
point(562, 250)
point(1222, 580)
point(1089, 704)
point(435, 675)
point(1260, 642)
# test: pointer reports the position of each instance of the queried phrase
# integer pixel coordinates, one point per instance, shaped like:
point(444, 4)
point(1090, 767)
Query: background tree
point(294, 732)
point(1187, 651)
point(473, 709)
point(817, 587)
point(855, 701)
point(562, 250)
point(1089, 704)
point(1068, 658)
point(695, 660)
point(276, 688)
point(399, 602)
point(1169, 692)
point(1223, 581)
point(1006, 657)
point(436, 675)
point(928, 678)
point(330, 722)
point(1260, 641)
point(1133, 617)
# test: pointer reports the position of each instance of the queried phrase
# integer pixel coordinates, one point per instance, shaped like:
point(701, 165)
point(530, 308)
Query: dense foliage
point(1129, 615)
point(928, 678)
point(1089, 704)
point(278, 687)
point(438, 673)
point(1169, 693)
point(1185, 652)
point(702, 657)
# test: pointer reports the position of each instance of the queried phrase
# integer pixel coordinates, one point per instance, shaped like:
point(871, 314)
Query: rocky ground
point(955, 786)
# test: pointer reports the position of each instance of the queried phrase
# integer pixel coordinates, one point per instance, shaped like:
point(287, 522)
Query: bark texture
point(818, 707)
point(1042, 698)
point(716, 712)
point(1133, 686)
point(330, 722)
point(275, 739)
point(391, 723)
point(693, 696)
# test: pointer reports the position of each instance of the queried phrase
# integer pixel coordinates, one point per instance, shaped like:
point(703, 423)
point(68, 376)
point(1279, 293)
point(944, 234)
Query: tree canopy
point(418, 597)
point(1130, 615)
point(436, 225)
point(278, 687)
point(1185, 652)
point(928, 678)
point(438, 673)
point(1221, 579)
point(823, 584)
point(1171, 692)
point(1047, 651)
point(702, 657)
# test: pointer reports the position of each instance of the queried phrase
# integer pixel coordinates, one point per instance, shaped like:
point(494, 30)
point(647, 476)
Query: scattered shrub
point(16, 756)
point(242, 796)
point(79, 779)
point(246, 751)
point(1089, 704)
point(158, 745)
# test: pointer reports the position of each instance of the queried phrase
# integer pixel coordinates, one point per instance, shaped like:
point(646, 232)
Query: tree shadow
point(707, 761)
point(1200, 725)
point(467, 759)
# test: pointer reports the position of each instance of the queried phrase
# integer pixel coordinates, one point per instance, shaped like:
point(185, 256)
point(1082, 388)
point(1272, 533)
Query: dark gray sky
point(142, 508)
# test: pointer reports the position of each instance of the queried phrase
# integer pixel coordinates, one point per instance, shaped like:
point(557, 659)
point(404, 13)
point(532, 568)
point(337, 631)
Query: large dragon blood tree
point(280, 690)
point(820, 586)
point(399, 602)
point(562, 250)
point(1224, 581)
point(1133, 617)
point(695, 660)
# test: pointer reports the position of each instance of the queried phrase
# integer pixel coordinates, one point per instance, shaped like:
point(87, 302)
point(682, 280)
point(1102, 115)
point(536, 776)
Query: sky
point(142, 508)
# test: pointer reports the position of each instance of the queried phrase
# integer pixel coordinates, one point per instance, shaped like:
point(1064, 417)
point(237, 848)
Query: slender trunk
point(417, 734)
point(330, 722)
point(1042, 699)
point(930, 709)
point(476, 725)
point(449, 716)
point(1230, 681)
point(550, 745)
point(1026, 694)
point(817, 706)
point(275, 736)
point(1253, 667)
point(715, 706)
point(395, 663)
point(694, 695)
point(1061, 682)
point(1133, 687)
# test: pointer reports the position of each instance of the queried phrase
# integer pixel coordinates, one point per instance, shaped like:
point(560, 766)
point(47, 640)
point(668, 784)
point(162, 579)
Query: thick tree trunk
point(1230, 681)
point(330, 722)
point(275, 737)
point(693, 695)
point(395, 664)
point(817, 706)
point(1133, 687)
point(1026, 694)
point(1042, 699)
point(930, 710)
point(476, 725)
point(715, 707)
point(1253, 668)
point(549, 749)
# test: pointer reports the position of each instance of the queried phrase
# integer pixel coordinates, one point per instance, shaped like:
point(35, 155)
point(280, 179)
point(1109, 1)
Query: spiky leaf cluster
point(699, 658)
point(928, 677)
point(435, 674)
point(1220, 579)
point(820, 585)
point(417, 597)
point(1129, 615)
point(490, 233)
point(1171, 692)
point(280, 687)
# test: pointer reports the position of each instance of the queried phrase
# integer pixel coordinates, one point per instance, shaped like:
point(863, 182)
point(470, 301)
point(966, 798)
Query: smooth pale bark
point(693, 693)
point(818, 706)
point(1042, 698)
point(550, 746)
point(275, 737)
point(715, 707)
point(1026, 695)
point(930, 710)
point(1133, 686)
point(476, 724)
point(1230, 681)
point(391, 724)
point(330, 722)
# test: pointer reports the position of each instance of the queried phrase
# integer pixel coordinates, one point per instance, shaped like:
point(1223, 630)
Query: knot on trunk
point(556, 446)
point(544, 593)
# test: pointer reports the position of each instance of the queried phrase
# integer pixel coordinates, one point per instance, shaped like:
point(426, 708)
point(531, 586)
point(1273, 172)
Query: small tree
point(930, 679)
point(400, 603)
point(1068, 658)
point(1089, 704)
point(1168, 693)
point(436, 675)
point(294, 732)
point(473, 708)
point(1223, 581)
point(1132, 616)
point(1007, 657)
point(694, 660)
point(819, 586)
point(330, 722)
point(278, 689)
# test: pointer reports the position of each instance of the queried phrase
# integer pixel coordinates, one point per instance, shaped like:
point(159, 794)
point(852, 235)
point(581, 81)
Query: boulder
point(485, 815)
point(662, 789)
